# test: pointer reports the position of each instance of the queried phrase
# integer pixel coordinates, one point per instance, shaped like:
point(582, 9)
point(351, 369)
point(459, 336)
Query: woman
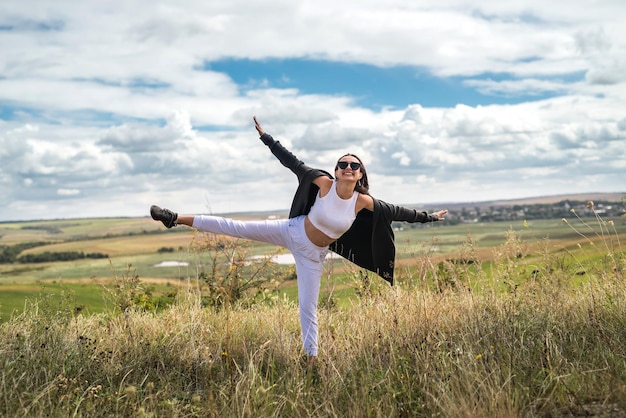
point(327, 212)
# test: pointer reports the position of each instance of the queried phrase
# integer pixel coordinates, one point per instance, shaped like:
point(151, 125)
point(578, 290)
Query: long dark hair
point(363, 185)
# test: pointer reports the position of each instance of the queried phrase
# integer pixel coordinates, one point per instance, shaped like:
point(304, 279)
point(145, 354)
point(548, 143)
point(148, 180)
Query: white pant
point(288, 233)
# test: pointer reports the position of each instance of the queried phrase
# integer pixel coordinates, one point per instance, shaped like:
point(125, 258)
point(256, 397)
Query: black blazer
point(369, 243)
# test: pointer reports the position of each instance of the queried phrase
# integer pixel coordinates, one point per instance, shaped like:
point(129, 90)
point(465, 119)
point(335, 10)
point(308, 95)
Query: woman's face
point(348, 168)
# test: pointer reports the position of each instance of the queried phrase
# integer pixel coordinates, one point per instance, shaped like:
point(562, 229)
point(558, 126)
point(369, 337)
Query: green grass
point(135, 242)
point(542, 351)
point(53, 292)
point(534, 326)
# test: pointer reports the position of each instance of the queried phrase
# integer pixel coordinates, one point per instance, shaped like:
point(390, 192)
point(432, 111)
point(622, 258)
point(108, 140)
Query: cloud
point(106, 108)
point(527, 86)
point(68, 192)
point(149, 138)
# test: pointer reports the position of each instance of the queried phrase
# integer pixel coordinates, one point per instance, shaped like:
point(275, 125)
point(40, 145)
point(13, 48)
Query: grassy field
point(133, 245)
point(493, 320)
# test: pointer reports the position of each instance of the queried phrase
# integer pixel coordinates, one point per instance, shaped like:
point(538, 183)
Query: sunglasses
point(344, 164)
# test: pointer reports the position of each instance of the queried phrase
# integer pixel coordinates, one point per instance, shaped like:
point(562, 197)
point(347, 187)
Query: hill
point(537, 200)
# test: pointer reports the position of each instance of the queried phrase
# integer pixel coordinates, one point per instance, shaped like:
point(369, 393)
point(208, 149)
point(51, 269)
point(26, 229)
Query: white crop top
point(333, 215)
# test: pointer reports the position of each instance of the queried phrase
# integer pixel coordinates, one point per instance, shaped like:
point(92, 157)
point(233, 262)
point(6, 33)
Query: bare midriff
point(316, 236)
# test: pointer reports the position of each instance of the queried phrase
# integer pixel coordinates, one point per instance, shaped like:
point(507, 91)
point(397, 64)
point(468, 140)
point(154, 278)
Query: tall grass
point(541, 345)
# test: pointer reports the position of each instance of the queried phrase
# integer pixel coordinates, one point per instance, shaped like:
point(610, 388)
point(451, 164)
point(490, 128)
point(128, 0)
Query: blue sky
point(107, 108)
point(370, 86)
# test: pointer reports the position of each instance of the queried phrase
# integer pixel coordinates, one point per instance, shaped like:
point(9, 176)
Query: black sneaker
point(164, 215)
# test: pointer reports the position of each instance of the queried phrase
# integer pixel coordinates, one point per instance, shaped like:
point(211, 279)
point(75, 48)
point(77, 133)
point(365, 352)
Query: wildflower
point(130, 391)
point(525, 224)
point(62, 381)
point(479, 356)
point(93, 391)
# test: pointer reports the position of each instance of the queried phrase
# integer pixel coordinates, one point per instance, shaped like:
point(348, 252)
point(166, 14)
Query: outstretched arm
point(424, 217)
point(285, 156)
point(402, 214)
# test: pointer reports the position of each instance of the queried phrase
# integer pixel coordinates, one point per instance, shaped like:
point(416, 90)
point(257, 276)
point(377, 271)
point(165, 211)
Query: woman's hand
point(257, 126)
point(440, 214)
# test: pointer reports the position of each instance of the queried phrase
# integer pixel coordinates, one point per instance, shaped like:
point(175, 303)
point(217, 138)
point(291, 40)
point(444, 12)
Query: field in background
point(493, 320)
point(163, 259)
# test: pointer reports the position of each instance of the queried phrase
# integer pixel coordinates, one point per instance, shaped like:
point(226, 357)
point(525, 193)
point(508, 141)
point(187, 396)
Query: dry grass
point(545, 346)
point(539, 351)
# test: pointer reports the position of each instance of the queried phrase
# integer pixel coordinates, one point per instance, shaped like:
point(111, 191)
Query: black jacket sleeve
point(286, 157)
point(399, 213)
point(307, 191)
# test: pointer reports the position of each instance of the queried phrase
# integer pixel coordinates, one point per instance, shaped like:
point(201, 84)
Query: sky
point(109, 107)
